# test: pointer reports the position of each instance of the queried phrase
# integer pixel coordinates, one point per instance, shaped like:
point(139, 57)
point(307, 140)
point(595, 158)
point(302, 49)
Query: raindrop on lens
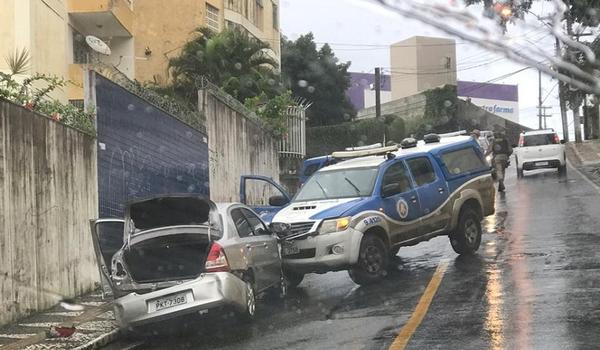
point(311, 89)
point(191, 188)
point(139, 134)
point(238, 66)
point(148, 109)
point(179, 178)
point(131, 107)
point(302, 83)
point(189, 134)
point(447, 103)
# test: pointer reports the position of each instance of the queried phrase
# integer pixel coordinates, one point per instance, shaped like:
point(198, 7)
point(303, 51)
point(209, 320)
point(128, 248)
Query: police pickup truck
point(356, 214)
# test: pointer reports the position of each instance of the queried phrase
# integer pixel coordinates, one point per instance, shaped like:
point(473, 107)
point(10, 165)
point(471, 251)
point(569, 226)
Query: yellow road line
point(421, 310)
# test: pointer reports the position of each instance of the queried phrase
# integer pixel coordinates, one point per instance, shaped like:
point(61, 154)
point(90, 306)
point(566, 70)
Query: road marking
point(421, 310)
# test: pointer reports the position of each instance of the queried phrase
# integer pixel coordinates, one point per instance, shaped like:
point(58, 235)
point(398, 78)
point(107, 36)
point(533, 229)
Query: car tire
point(292, 278)
point(373, 259)
point(562, 170)
point(467, 236)
point(250, 310)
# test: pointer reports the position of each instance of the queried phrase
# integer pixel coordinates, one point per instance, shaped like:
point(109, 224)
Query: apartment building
point(142, 34)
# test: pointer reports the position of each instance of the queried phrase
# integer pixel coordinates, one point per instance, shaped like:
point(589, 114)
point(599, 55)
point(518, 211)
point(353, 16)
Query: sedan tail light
point(216, 260)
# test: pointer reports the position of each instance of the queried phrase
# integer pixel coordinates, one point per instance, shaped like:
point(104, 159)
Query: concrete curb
point(580, 157)
point(102, 340)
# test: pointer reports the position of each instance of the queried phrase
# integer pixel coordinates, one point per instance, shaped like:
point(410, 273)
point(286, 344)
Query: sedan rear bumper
point(207, 292)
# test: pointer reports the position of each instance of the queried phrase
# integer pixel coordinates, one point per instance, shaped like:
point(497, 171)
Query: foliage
point(440, 112)
point(317, 76)
point(18, 63)
point(36, 98)
point(322, 140)
point(272, 111)
point(585, 12)
point(230, 59)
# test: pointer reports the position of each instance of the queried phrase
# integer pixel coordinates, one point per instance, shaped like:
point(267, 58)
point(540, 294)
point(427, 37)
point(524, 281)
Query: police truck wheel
point(467, 237)
point(372, 261)
point(293, 278)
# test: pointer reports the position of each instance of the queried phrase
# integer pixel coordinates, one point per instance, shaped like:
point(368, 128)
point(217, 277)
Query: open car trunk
point(169, 257)
point(170, 237)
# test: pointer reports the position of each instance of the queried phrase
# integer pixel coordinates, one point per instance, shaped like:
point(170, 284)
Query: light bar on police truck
point(362, 148)
point(364, 153)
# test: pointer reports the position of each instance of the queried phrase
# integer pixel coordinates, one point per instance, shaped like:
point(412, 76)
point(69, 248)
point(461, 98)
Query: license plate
point(289, 248)
point(541, 163)
point(169, 301)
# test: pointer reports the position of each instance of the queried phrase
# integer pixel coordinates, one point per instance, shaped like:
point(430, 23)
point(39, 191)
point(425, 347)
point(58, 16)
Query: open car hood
point(171, 210)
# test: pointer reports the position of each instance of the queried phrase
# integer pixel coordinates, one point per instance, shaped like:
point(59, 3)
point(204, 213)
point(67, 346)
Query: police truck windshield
point(334, 184)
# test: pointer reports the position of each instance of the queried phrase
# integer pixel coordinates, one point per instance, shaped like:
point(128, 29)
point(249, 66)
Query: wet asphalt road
point(534, 284)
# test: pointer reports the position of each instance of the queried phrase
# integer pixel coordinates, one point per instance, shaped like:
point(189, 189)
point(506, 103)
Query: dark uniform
point(501, 151)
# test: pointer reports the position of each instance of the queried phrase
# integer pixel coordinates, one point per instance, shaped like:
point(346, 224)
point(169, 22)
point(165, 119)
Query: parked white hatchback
point(540, 149)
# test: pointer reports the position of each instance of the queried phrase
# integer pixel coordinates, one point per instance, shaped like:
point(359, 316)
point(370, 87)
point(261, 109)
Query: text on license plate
point(169, 301)
point(289, 249)
point(541, 163)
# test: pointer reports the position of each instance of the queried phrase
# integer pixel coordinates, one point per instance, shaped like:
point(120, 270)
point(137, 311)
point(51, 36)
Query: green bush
point(37, 99)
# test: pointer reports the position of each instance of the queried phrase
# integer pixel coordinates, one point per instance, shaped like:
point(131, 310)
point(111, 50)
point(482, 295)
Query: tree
point(317, 76)
point(229, 59)
point(585, 12)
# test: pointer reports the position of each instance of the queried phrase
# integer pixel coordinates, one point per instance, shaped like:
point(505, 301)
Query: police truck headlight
point(334, 225)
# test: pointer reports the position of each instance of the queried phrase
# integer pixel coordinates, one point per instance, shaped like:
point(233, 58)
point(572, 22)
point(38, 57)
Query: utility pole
point(378, 93)
point(540, 98)
point(563, 105)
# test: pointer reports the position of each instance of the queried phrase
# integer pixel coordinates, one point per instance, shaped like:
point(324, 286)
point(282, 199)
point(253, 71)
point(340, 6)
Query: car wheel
point(467, 237)
point(562, 170)
point(293, 278)
point(372, 262)
point(250, 311)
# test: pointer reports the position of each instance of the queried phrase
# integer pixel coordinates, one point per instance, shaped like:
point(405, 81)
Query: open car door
point(107, 236)
point(263, 195)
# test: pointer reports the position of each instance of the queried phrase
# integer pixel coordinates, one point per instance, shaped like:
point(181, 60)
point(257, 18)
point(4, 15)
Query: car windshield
point(333, 184)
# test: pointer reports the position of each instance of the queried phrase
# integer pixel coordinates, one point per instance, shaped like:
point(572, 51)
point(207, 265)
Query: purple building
point(360, 93)
point(500, 99)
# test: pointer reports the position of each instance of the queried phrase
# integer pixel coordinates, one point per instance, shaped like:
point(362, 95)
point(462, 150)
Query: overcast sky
point(361, 32)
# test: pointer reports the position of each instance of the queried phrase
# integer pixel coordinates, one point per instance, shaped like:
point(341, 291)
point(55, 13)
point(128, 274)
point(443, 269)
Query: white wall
point(386, 96)
point(505, 109)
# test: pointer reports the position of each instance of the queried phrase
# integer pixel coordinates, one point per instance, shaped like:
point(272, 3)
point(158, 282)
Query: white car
point(540, 149)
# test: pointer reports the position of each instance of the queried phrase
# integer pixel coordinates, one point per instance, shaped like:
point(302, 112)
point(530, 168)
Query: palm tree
point(230, 59)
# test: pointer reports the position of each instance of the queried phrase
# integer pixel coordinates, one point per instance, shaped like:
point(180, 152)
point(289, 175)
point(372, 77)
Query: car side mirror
point(390, 189)
point(278, 201)
point(562, 142)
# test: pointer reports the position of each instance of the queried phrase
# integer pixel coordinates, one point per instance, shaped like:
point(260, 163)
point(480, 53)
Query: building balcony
point(102, 18)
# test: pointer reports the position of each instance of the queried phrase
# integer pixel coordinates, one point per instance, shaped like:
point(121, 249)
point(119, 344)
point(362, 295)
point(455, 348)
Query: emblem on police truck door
point(402, 207)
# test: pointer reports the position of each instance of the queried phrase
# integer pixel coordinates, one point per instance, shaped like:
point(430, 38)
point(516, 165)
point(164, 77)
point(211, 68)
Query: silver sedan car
point(179, 255)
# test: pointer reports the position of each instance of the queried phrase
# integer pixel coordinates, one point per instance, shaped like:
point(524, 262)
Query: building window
point(212, 18)
point(275, 17)
point(81, 51)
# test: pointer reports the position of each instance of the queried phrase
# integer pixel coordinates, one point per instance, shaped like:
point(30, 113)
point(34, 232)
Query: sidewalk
point(586, 157)
point(586, 153)
point(94, 327)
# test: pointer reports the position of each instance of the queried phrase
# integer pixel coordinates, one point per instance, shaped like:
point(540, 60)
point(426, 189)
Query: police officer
point(501, 151)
